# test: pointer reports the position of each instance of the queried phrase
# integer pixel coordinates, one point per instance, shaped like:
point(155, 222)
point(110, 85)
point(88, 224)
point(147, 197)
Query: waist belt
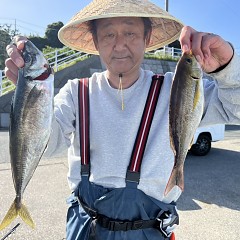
point(125, 225)
point(119, 225)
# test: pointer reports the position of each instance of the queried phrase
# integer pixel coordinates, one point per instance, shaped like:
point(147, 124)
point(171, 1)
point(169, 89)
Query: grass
point(7, 84)
point(65, 65)
point(161, 57)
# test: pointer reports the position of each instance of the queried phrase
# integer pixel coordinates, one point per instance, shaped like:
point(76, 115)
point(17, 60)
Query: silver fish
point(185, 113)
point(30, 126)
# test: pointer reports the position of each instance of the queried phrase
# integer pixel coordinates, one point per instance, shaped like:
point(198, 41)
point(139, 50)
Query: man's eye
point(109, 35)
point(130, 34)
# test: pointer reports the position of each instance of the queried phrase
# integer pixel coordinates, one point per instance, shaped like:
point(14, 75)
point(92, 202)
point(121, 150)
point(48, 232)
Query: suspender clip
point(85, 170)
point(133, 176)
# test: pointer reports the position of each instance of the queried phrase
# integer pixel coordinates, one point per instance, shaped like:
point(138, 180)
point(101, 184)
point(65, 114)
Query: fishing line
point(10, 232)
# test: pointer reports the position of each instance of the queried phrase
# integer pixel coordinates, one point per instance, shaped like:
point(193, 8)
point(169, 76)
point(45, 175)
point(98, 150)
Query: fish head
point(191, 66)
point(34, 61)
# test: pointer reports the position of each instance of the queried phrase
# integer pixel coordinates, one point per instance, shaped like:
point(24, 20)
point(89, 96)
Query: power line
point(22, 21)
point(30, 24)
point(28, 29)
point(24, 26)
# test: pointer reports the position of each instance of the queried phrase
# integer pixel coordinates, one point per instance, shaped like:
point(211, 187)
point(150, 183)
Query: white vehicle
point(204, 136)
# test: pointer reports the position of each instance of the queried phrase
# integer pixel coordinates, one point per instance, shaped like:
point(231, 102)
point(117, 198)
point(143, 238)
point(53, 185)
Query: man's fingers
point(197, 46)
point(15, 54)
point(15, 60)
point(11, 76)
point(14, 50)
point(197, 42)
point(18, 41)
point(11, 70)
point(185, 38)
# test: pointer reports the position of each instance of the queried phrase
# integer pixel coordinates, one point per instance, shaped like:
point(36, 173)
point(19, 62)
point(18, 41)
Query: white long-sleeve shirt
point(113, 131)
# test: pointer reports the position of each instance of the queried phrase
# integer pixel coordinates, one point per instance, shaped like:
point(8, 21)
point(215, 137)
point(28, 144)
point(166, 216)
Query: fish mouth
point(195, 77)
point(196, 73)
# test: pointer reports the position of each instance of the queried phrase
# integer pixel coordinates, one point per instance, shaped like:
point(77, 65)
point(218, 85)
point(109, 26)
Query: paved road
point(209, 207)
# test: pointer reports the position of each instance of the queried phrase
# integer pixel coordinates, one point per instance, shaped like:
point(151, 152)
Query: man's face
point(121, 43)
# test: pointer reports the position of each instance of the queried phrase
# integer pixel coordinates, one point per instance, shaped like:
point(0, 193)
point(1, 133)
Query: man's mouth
point(120, 58)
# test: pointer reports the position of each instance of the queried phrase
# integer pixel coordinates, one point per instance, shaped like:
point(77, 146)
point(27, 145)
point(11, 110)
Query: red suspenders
point(83, 97)
point(133, 173)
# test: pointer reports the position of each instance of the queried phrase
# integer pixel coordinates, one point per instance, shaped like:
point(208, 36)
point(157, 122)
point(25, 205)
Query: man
point(127, 204)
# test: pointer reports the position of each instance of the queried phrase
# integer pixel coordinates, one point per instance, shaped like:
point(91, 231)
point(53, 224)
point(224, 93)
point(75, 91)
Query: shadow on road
point(213, 179)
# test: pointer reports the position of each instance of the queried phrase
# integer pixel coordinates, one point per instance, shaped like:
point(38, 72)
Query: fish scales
point(28, 105)
point(30, 126)
point(185, 113)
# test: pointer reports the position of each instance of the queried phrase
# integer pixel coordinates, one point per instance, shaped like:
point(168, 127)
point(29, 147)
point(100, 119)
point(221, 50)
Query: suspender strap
point(83, 98)
point(133, 173)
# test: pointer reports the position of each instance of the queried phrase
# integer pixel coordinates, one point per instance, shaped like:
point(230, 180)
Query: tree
point(175, 44)
point(6, 34)
point(12, 31)
point(39, 42)
point(5, 39)
point(51, 35)
point(50, 39)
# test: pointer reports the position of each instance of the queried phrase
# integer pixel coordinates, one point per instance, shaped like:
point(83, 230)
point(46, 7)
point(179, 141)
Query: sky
point(216, 16)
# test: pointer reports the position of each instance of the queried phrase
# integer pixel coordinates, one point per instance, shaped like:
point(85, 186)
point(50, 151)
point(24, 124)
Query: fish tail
point(26, 217)
point(10, 216)
point(13, 212)
point(176, 179)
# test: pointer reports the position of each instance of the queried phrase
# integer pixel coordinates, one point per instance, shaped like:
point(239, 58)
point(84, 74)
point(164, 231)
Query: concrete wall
point(80, 70)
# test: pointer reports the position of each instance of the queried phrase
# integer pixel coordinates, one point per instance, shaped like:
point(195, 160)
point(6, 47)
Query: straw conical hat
point(76, 34)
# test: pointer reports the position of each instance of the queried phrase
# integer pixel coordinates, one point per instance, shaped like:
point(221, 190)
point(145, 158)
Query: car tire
point(202, 146)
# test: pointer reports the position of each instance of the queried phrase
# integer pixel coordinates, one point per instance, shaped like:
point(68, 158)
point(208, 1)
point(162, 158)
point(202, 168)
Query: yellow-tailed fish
point(30, 125)
point(185, 113)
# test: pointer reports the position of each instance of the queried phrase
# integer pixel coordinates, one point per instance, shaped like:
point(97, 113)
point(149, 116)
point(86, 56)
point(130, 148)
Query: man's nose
point(120, 42)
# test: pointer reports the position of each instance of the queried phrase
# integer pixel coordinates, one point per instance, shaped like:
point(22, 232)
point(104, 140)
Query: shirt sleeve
point(64, 120)
point(222, 95)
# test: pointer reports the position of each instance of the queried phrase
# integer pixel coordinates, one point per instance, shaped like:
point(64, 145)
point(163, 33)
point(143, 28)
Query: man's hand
point(210, 50)
point(15, 60)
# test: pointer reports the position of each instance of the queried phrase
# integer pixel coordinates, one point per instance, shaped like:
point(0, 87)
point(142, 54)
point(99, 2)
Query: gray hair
point(146, 21)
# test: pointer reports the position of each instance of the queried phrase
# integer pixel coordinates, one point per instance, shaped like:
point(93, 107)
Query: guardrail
point(64, 56)
point(171, 52)
point(5, 84)
point(61, 58)
point(57, 59)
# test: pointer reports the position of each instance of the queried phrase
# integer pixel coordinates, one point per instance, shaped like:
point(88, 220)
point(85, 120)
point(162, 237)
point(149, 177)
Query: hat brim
point(76, 34)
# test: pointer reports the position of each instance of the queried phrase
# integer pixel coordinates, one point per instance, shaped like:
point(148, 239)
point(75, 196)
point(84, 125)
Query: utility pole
point(15, 26)
point(166, 5)
point(166, 9)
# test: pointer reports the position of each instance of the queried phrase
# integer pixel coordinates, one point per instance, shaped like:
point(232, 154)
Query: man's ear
point(95, 41)
point(148, 37)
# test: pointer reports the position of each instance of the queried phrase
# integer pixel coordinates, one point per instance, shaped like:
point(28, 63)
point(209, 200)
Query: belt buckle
point(119, 225)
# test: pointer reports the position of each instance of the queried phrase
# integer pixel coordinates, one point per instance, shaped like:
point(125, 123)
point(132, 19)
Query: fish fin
point(176, 179)
point(197, 96)
point(13, 212)
point(10, 216)
point(25, 215)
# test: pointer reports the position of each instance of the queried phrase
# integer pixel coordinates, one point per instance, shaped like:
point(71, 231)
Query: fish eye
point(188, 60)
point(27, 58)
